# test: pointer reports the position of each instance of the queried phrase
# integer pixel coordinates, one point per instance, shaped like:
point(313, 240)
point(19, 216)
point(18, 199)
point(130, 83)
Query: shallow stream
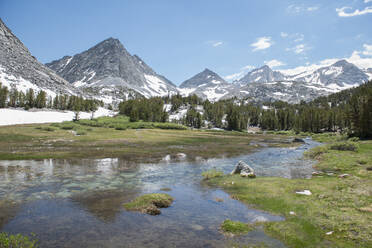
point(78, 203)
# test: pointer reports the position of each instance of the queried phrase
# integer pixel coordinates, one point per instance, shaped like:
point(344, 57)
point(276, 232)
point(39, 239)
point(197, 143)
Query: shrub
point(67, 125)
point(316, 152)
point(121, 127)
point(344, 146)
point(212, 174)
point(17, 241)
point(81, 132)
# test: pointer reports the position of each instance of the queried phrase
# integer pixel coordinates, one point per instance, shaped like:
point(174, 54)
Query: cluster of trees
point(144, 109)
point(349, 110)
point(32, 99)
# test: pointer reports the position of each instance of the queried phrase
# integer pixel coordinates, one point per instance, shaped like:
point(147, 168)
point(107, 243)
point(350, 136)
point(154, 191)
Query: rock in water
point(298, 140)
point(244, 170)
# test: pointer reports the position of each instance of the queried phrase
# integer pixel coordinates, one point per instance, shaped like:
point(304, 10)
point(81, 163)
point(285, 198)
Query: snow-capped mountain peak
point(263, 74)
point(109, 70)
point(206, 84)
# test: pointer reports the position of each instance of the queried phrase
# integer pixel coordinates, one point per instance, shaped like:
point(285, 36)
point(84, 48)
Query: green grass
point(212, 174)
point(133, 144)
point(339, 205)
point(235, 227)
point(17, 241)
point(149, 203)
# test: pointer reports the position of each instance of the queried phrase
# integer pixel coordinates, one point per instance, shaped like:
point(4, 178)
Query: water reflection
point(78, 203)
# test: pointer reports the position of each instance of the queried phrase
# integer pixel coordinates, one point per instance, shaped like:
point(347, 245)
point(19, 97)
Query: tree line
point(31, 99)
point(346, 111)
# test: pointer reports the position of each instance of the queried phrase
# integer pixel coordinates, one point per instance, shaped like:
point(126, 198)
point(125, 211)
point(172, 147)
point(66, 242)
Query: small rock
point(366, 209)
point(292, 213)
point(317, 173)
point(197, 227)
point(181, 155)
point(305, 192)
point(343, 175)
point(232, 183)
point(298, 140)
point(217, 199)
point(329, 233)
point(330, 174)
point(152, 210)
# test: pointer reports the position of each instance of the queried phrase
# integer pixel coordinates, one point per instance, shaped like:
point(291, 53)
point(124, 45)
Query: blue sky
point(180, 38)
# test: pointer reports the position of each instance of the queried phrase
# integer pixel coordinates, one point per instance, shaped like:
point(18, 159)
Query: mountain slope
point(263, 74)
point(111, 71)
point(341, 74)
point(207, 85)
point(21, 70)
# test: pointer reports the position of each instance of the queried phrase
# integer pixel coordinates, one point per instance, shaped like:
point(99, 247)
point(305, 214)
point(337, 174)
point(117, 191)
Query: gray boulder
point(244, 170)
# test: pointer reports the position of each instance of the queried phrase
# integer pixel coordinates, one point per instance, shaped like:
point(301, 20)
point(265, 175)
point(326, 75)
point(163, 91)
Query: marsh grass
point(145, 145)
point(230, 227)
point(211, 174)
point(17, 241)
point(150, 203)
point(337, 205)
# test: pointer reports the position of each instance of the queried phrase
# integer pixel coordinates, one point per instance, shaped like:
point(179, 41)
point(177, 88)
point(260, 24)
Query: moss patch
point(230, 227)
point(17, 241)
point(149, 203)
point(211, 174)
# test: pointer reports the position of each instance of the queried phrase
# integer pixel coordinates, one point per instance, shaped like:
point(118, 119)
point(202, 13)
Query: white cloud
point(239, 75)
point(367, 49)
point(367, 1)
point(313, 8)
point(262, 43)
point(284, 35)
point(247, 67)
point(274, 63)
point(364, 62)
point(214, 43)
point(341, 11)
point(299, 49)
point(296, 9)
point(298, 37)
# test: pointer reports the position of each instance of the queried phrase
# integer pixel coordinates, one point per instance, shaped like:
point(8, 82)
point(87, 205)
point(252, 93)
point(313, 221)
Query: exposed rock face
point(113, 72)
point(207, 85)
point(244, 170)
point(341, 73)
point(263, 74)
point(264, 84)
point(19, 69)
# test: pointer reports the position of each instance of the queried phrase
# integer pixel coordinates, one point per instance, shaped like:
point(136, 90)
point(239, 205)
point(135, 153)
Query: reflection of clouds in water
point(107, 166)
point(65, 177)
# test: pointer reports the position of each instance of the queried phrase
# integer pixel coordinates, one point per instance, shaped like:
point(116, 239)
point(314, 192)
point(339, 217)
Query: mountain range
point(108, 72)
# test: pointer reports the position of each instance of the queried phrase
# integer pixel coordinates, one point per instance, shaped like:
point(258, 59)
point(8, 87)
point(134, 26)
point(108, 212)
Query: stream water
point(78, 203)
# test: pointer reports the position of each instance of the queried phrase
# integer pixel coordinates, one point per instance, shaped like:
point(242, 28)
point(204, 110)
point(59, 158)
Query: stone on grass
point(305, 192)
point(343, 175)
point(244, 170)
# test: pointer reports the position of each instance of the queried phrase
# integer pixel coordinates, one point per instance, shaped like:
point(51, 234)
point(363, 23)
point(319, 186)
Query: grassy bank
point(117, 137)
point(339, 211)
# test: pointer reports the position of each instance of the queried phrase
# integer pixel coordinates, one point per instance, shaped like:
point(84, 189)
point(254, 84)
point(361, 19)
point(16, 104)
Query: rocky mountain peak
point(19, 69)
point(263, 74)
point(203, 78)
point(109, 67)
